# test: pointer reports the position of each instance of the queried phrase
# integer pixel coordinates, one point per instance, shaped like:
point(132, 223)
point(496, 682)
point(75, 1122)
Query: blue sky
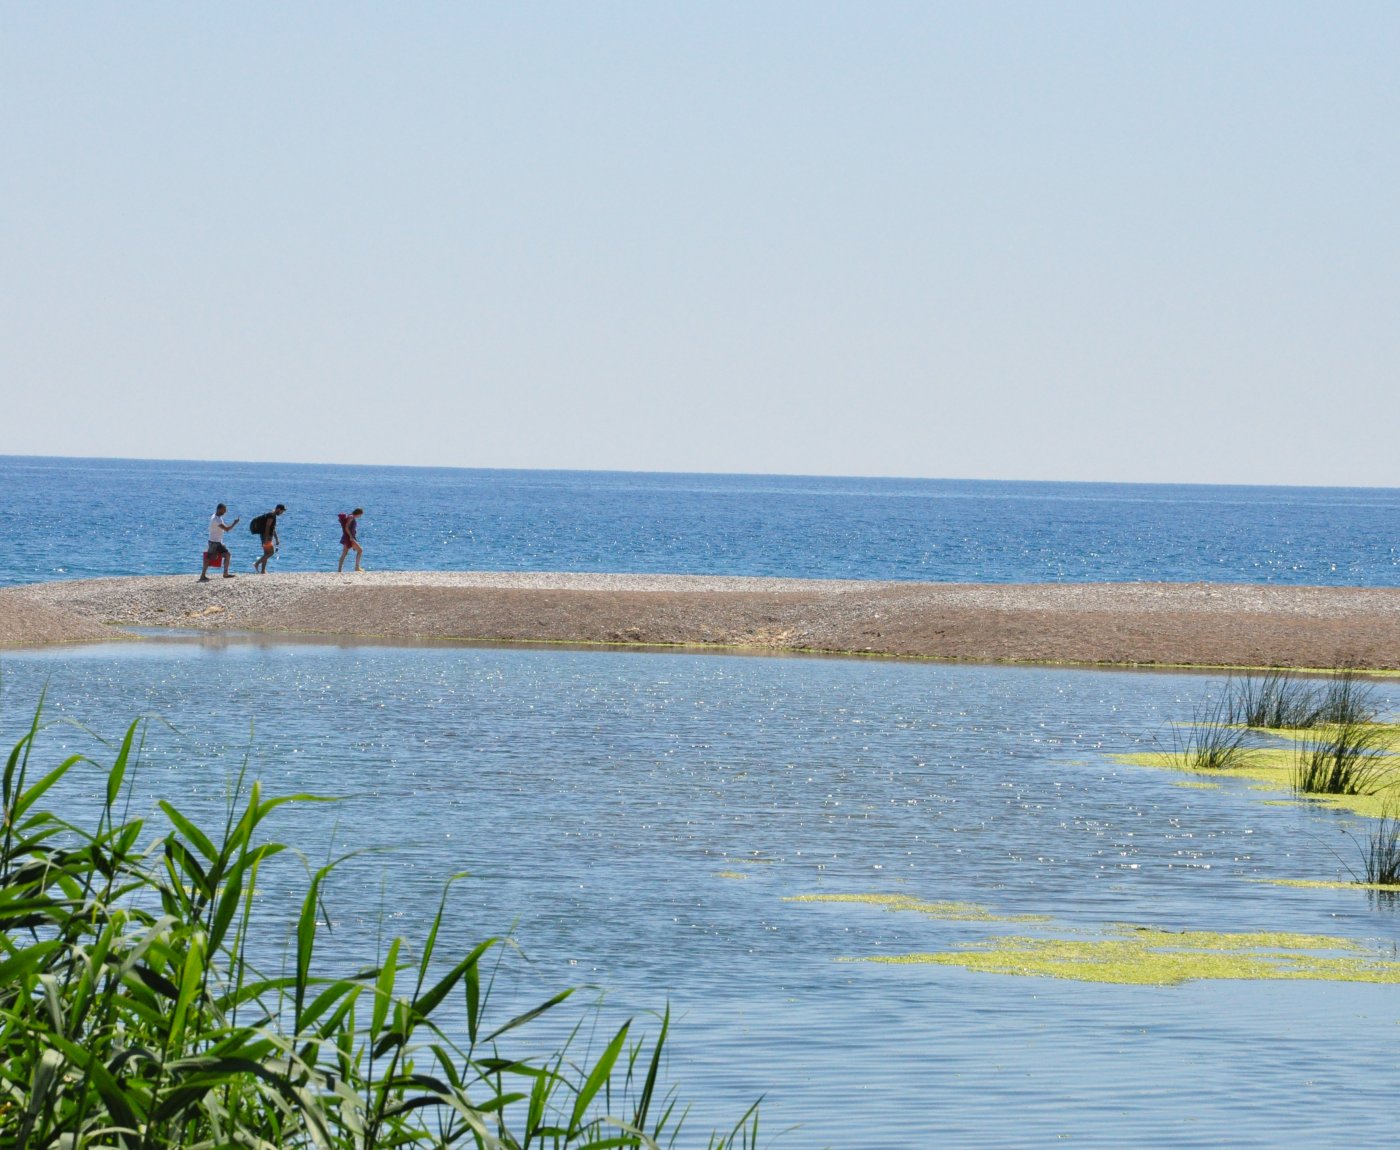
point(1128, 241)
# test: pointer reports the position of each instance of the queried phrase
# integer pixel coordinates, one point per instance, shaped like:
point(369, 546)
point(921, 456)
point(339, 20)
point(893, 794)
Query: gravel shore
point(1101, 623)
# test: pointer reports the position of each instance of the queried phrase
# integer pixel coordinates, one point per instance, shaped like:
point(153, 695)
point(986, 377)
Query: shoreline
point(1166, 625)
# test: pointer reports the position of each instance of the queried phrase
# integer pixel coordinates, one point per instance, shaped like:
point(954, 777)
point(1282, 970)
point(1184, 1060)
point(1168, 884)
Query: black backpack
point(256, 526)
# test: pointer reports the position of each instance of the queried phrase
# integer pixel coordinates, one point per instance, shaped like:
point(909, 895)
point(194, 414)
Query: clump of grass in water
point(1274, 699)
point(1349, 761)
point(130, 1016)
point(1212, 742)
point(1280, 700)
point(1346, 699)
point(1382, 855)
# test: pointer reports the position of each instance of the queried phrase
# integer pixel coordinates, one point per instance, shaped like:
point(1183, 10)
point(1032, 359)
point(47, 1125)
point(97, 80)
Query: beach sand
point(1136, 624)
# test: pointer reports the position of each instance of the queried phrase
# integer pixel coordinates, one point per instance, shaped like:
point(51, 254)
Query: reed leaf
point(197, 837)
point(601, 1073)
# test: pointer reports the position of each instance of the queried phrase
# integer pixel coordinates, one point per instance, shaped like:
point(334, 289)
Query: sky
point(1072, 241)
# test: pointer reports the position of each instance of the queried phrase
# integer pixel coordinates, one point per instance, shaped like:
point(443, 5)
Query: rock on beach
point(1171, 624)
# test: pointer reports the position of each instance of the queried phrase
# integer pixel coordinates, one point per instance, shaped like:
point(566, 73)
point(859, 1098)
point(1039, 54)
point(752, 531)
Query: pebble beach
point(1114, 624)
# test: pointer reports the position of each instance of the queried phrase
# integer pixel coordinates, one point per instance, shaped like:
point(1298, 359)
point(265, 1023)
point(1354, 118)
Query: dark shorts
point(215, 550)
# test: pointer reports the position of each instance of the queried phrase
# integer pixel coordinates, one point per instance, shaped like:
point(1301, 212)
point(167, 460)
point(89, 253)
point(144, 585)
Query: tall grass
point(1274, 699)
point(1382, 854)
point(1348, 761)
point(1279, 699)
point(1346, 700)
point(1212, 742)
point(131, 1015)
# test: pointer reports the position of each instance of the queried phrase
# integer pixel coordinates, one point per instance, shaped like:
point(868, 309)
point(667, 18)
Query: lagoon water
point(640, 822)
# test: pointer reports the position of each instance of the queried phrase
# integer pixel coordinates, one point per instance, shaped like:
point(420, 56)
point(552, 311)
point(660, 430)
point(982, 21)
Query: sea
point(736, 836)
point(79, 518)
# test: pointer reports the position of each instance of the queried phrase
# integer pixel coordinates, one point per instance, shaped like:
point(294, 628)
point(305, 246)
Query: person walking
point(265, 526)
point(217, 554)
point(349, 529)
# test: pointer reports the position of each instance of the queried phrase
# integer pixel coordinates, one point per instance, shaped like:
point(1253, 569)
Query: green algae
point(1142, 956)
point(952, 911)
point(1273, 769)
point(1133, 955)
point(1387, 733)
point(1329, 884)
point(731, 874)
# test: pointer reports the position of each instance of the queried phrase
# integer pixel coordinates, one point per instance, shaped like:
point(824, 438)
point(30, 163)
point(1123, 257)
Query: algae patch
point(1128, 954)
point(1387, 734)
point(952, 911)
point(1330, 884)
point(1273, 769)
point(1144, 956)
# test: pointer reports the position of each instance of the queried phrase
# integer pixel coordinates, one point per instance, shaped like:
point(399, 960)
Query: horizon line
point(737, 474)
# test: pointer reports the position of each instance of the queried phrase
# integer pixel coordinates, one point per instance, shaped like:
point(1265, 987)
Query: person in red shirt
point(348, 542)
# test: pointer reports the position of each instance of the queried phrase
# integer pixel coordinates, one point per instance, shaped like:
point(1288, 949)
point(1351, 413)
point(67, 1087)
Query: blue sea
point(648, 825)
point(75, 518)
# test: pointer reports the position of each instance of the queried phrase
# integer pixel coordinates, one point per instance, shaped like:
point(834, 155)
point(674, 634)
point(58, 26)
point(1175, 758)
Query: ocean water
point(640, 823)
point(70, 518)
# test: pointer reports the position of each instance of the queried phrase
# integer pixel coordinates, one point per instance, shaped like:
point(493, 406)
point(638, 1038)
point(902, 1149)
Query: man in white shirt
point(217, 553)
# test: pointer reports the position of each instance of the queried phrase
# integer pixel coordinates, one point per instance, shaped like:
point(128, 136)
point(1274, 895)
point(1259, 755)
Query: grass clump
point(1274, 699)
point(1281, 700)
point(1211, 742)
point(1382, 853)
point(1346, 700)
point(133, 1018)
point(1348, 761)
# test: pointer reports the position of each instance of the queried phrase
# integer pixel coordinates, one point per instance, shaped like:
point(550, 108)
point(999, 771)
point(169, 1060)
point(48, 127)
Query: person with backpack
point(265, 527)
point(216, 554)
point(349, 525)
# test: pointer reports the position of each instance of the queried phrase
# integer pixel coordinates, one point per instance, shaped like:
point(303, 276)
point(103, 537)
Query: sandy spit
point(1107, 623)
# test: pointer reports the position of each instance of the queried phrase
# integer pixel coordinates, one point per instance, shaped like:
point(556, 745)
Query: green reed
point(1382, 854)
point(1348, 761)
point(1212, 742)
point(1274, 699)
point(131, 1015)
point(1278, 699)
point(1346, 699)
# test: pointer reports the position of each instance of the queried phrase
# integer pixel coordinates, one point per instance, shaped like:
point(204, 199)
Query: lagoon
point(644, 823)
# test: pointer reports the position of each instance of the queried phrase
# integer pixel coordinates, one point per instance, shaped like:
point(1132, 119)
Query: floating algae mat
point(1132, 955)
point(1138, 955)
point(1330, 884)
point(1274, 768)
point(1387, 735)
point(955, 911)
